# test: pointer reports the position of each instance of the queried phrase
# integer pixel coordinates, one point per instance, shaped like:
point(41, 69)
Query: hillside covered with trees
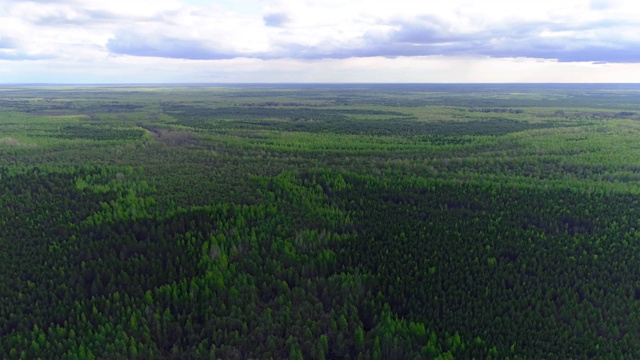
point(320, 222)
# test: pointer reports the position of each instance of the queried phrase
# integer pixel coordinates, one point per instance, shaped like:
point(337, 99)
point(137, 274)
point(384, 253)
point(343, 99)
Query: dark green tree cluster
point(320, 222)
point(545, 272)
point(217, 281)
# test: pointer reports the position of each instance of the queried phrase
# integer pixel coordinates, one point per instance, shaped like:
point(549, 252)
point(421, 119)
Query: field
point(320, 221)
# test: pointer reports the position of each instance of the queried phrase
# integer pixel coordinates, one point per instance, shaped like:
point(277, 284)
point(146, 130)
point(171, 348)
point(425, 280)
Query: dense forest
point(320, 222)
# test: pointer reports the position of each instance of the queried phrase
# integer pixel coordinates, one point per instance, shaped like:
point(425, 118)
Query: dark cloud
point(167, 47)
point(421, 36)
point(426, 30)
point(597, 54)
point(276, 19)
point(429, 36)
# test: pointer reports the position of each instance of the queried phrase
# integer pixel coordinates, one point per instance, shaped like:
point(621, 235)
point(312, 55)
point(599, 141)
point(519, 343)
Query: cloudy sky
point(222, 41)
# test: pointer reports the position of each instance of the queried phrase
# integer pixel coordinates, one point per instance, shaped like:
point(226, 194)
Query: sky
point(319, 41)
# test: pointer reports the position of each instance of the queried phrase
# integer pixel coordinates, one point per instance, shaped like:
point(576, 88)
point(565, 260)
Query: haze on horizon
point(372, 41)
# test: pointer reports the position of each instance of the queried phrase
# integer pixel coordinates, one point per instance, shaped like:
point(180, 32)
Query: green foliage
point(384, 222)
point(96, 133)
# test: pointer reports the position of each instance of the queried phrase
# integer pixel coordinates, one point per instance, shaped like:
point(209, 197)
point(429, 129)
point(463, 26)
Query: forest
point(320, 221)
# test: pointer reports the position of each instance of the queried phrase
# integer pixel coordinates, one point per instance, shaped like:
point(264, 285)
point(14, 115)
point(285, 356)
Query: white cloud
point(285, 40)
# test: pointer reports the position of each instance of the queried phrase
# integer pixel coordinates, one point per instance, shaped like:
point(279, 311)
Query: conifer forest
point(369, 221)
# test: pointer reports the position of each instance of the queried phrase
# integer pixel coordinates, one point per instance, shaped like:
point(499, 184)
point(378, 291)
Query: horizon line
point(18, 84)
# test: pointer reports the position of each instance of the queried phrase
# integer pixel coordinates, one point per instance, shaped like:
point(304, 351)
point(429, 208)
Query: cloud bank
point(117, 31)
